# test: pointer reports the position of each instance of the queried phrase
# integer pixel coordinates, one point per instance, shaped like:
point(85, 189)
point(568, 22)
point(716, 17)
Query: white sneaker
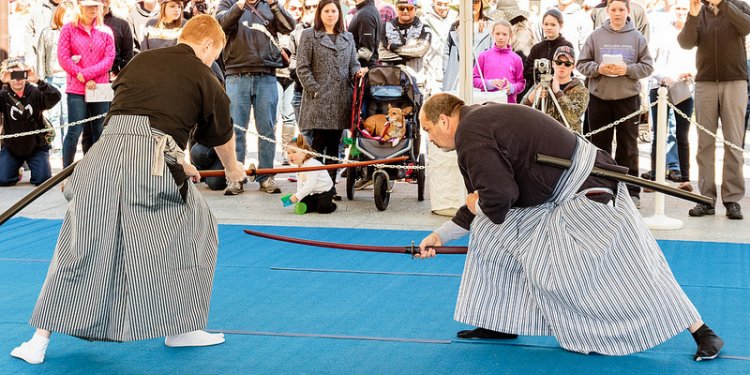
point(30, 353)
point(195, 338)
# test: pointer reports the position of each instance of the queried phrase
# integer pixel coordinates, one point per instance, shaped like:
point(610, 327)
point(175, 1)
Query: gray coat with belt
point(325, 71)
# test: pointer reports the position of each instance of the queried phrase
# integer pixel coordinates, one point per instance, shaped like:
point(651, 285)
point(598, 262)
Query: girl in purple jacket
point(85, 51)
point(501, 68)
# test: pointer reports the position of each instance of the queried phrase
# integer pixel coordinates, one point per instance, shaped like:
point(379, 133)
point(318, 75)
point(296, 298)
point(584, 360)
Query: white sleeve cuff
point(450, 231)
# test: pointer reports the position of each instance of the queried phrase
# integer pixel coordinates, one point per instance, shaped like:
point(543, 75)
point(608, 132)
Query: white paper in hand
point(102, 93)
point(612, 59)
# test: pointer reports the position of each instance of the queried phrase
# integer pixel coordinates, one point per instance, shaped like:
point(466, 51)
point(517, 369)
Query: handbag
point(679, 92)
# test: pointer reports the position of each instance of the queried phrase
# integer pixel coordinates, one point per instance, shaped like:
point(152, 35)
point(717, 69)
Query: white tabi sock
point(195, 338)
point(33, 350)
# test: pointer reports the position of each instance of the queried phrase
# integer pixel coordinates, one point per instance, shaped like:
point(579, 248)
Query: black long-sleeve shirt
point(35, 100)
point(497, 146)
point(123, 41)
point(720, 39)
point(176, 91)
point(366, 28)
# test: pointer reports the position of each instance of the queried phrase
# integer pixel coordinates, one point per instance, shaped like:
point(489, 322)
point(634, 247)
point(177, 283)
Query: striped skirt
point(591, 274)
point(134, 259)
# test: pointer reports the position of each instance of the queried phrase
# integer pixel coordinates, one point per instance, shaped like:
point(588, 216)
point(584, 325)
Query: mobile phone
point(19, 75)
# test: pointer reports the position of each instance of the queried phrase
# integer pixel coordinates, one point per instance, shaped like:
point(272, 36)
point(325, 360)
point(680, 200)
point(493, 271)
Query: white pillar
point(466, 50)
point(659, 220)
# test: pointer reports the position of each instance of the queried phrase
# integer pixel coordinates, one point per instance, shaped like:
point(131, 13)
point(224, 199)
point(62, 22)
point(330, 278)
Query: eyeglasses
point(311, 7)
point(405, 8)
point(566, 63)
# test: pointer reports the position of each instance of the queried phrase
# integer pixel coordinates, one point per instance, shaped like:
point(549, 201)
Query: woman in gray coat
point(326, 64)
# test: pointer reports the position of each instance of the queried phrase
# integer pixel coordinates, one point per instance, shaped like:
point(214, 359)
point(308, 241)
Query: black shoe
point(734, 211)
point(337, 198)
point(709, 344)
point(702, 209)
point(674, 175)
point(647, 176)
point(481, 333)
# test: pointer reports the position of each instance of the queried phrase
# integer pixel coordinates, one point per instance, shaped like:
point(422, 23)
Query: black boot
point(709, 344)
point(481, 333)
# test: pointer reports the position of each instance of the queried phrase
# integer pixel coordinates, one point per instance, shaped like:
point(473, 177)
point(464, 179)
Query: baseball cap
point(565, 51)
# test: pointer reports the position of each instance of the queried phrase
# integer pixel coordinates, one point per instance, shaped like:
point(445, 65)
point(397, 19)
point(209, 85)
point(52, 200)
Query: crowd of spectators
point(293, 62)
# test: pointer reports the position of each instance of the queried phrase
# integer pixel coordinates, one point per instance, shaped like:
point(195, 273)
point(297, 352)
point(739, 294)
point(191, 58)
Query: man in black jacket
point(123, 38)
point(22, 104)
point(718, 28)
point(251, 57)
point(366, 27)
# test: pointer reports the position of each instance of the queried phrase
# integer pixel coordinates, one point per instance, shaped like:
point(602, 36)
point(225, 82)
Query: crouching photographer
point(21, 106)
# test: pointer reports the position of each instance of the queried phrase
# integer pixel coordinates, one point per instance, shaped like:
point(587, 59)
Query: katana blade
point(264, 171)
point(411, 249)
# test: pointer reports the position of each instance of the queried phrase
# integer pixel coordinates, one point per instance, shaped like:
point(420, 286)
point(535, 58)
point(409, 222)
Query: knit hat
point(565, 51)
point(17, 62)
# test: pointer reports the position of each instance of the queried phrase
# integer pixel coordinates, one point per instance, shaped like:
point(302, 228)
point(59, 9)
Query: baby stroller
point(382, 87)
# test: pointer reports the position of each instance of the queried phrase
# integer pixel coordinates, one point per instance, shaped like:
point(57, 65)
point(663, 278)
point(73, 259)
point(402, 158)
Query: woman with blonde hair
point(86, 51)
point(153, 275)
point(164, 29)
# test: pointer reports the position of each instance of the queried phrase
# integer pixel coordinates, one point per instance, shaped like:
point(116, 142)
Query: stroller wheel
point(420, 178)
point(382, 193)
point(351, 178)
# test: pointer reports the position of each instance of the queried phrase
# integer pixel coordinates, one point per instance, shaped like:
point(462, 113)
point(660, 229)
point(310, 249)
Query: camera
point(543, 66)
point(543, 69)
point(19, 74)
point(201, 7)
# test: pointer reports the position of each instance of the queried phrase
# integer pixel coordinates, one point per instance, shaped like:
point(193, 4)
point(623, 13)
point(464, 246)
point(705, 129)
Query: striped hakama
point(591, 274)
point(133, 260)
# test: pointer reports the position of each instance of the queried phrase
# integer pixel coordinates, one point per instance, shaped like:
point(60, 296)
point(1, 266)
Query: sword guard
point(411, 250)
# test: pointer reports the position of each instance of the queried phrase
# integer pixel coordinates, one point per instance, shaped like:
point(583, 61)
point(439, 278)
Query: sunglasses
point(477, 1)
point(294, 8)
point(566, 63)
point(405, 8)
point(311, 7)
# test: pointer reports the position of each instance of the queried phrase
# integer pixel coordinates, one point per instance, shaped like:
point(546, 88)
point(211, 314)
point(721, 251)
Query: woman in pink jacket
point(501, 68)
point(85, 51)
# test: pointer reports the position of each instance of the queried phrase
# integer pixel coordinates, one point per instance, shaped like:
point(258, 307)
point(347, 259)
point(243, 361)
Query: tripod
point(540, 102)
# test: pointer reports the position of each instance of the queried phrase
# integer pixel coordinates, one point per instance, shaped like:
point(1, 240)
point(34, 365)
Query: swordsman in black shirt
point(137, 250)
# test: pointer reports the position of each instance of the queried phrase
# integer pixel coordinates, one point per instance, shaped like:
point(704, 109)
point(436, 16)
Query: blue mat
point(295, 309)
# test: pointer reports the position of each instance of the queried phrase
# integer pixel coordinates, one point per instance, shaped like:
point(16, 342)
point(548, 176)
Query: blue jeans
point(673, 160)
point(206, 158)
point(681, 129)
point(38, 163)
point(58, 115)
point(78, 110)
point(259, 93)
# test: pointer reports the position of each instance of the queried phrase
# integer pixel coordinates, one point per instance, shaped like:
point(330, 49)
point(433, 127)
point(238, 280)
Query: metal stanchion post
point(659, 220)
